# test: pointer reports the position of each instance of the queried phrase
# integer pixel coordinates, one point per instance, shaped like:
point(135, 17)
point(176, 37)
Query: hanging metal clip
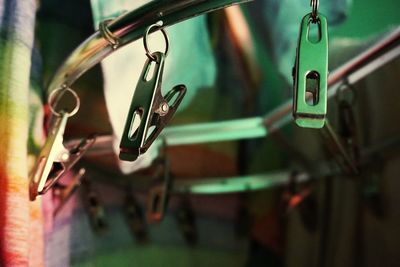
point(159, 193)
point(54, 159)
point(310, 73)
point(338, 149)
point(186, 220)
point(64, 192)
point(347, 120)
point(94, 207)
point(148, 107)
point(135, 219)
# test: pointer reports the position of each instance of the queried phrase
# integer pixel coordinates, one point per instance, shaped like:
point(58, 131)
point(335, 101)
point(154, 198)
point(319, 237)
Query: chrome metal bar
point(128, 28)
point(246, 183)
point(237, 184)
point(209, 185)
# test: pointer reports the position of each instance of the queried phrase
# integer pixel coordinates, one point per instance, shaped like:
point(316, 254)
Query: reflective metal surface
point(128, 28)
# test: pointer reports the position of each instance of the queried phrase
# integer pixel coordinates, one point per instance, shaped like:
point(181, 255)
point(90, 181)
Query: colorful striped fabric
point(21, 233)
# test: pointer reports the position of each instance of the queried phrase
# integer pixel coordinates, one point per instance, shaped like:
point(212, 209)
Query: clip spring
point(148, 107)
point(311, 72)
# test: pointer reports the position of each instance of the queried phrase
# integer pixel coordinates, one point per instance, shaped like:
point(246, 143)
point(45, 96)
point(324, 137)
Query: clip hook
point(149, 109)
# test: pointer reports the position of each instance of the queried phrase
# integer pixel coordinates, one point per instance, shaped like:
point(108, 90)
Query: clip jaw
point(148, 108)
point(311, 75)
point(54, 159)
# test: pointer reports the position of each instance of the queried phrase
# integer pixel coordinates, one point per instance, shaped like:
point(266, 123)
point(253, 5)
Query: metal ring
point(105, 32)
point(314, 9)
point(149, 54)
point(59, 92)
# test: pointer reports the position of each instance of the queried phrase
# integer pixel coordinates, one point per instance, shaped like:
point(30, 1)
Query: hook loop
point(157, 25)
point(55, 96)
point(105, 32)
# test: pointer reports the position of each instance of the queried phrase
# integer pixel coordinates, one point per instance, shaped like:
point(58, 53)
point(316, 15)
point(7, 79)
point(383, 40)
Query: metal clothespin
point(310, 72)
point(294, 195)
point(159, 193)
point(54, 159)
point(94, 207)
point(302, 199)
point(135, 218)
point(186, 220)
point(347, 121)
point(64, 192)
point(148, 107)
point(345, 160)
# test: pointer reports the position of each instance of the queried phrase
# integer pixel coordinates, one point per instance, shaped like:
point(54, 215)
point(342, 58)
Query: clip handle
point(139, 115)
point(311, 75)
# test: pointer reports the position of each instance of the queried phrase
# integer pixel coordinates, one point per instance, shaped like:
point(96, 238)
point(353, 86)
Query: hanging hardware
point(105, 32)
point(293, 194)
point(129, 27)
point(343, 144)
point(148, 107)
point(64, 192)
point(135, 219)
point(342, 157)
point(301, 198)
point(186, 220)
point(159, 193)
point(347, 121)
point(94, 207)
point(314, 9)
point(310, 73)
point(371, 59)
point(54, 159)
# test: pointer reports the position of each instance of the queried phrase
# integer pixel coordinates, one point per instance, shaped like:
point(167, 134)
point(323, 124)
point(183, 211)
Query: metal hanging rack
point(376, 56)
point(123, 30)
point(130, 26)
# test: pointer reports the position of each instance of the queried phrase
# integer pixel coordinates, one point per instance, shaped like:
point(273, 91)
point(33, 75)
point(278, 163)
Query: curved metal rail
point(128, 28)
